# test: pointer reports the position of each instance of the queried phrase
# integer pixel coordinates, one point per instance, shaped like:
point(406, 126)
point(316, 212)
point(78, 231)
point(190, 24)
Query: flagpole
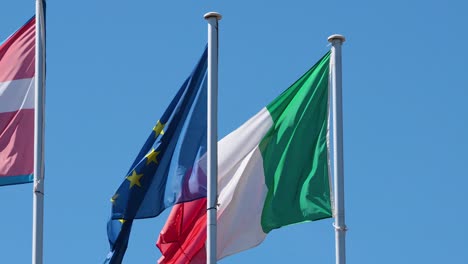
point(39, 105)
point(212, 139)
point(338, 179)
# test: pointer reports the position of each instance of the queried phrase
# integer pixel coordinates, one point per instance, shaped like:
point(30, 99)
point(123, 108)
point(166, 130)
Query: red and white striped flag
point(17, 69)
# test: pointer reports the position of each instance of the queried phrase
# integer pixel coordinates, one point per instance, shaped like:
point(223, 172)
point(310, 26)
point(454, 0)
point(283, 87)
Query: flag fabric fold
point(17, 69)
point(167, 169)
point(273, 171)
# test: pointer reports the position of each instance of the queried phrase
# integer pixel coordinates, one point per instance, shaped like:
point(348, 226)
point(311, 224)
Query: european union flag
point(169, 168)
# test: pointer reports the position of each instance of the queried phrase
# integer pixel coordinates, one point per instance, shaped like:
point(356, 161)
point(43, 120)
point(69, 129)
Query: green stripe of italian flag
point(272, 171)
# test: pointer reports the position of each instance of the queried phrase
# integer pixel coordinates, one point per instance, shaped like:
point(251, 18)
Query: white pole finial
point(338, 177)
point(336, 37)
point(212, 137)
point(213, 14)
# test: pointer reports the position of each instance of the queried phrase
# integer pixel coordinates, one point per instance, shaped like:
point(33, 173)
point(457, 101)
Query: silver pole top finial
point(338, 37)
point(213, 14)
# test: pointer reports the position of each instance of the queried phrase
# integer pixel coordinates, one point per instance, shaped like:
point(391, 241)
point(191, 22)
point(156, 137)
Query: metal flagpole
point(212, 140)
point(338, 179)
point(39, 105)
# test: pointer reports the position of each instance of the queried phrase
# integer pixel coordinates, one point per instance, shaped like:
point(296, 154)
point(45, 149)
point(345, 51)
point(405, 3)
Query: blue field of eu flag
point(168, 169)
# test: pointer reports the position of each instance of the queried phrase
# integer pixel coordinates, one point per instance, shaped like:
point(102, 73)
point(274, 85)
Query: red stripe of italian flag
point(17, 106)
point(272, 172)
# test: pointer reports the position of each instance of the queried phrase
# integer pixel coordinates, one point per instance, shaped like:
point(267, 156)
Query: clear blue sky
point(113, 66)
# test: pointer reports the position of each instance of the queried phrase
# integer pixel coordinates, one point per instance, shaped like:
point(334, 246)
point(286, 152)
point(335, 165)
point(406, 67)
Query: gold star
point(152, 157)
point(135, 179)
point(122, 221)
point(114, 198)
point(158, 129)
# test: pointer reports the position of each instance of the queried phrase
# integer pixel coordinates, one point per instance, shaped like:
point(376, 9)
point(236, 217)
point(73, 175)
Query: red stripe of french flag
point(17, 69)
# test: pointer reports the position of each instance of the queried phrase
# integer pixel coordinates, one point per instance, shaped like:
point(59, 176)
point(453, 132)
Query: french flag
point(17, 70)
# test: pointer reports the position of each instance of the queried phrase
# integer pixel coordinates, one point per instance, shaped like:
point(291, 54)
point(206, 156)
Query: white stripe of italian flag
point(272, 171)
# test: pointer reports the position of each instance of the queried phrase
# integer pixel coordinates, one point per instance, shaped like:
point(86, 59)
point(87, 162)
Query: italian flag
point(273, 171)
